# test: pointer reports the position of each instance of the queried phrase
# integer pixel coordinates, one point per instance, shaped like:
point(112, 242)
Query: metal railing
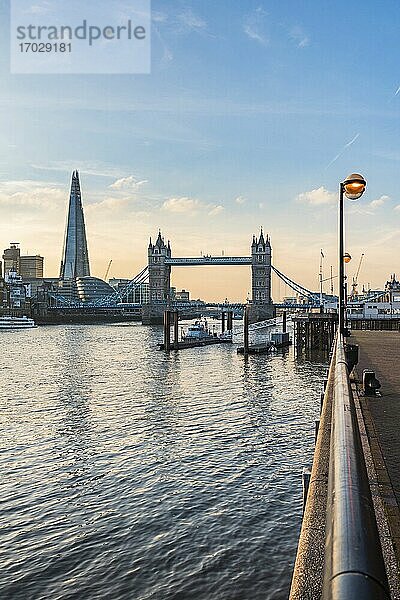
point(339, 497)
point(354, 565)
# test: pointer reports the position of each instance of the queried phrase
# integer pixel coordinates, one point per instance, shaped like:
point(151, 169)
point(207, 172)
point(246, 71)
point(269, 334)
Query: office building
point(31, 266)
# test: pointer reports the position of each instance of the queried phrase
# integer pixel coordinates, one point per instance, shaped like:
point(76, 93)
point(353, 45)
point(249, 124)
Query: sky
point(251, 116)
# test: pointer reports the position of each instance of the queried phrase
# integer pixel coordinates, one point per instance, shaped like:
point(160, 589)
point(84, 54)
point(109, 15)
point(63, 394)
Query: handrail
point(354, 565)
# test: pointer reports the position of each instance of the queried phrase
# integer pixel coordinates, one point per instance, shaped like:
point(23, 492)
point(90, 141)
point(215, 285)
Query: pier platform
point(195, 344)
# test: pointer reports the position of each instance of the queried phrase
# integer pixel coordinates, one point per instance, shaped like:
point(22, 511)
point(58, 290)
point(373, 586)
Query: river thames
point(130, 474)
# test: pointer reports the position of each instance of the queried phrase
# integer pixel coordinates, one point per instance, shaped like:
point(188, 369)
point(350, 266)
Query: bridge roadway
point(209, 260)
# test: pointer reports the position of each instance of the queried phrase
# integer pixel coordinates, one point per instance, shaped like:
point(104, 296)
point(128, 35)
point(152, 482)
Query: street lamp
point(353, 188)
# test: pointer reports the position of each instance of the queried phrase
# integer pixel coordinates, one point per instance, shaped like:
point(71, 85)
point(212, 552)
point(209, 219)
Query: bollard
point(351, 352)
point(370, 383)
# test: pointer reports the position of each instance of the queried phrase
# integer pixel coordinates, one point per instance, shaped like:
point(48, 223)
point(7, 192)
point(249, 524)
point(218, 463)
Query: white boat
point(198, 331)
point(24, 322)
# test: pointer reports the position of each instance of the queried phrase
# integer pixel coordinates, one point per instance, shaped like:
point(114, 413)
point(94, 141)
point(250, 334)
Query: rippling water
point(129, 474)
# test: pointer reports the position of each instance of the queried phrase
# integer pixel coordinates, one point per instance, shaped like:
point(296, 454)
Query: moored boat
point(7, 323)
point(198, 332)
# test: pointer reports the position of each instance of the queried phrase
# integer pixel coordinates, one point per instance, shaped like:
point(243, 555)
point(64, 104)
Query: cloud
point(240, 200)
point(217, 210)
point(379, 201)
point(158, 16)
point(254, 27)
point(107, 204)
point(397, 207)
point(191, 206)
point(317, 197)
point(127, 183)
point(298, 36)
point(31, 194)
point(181, 205)
point(189, 21)
point(97, 169)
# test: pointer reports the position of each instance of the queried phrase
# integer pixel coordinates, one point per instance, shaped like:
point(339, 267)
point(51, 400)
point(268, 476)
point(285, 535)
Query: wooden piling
point(246, 331)
point(176, 329)
point(167, 330)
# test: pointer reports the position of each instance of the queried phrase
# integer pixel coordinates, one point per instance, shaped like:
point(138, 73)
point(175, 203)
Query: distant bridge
point(119, 298)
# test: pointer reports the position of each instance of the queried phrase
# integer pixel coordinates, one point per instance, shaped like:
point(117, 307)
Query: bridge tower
point(159, 272)
point(261, 306)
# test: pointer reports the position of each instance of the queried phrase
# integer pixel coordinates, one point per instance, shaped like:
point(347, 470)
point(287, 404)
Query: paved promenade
point(380, 351)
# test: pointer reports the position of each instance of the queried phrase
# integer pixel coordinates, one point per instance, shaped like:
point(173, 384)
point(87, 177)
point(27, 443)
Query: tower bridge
point(160, 263)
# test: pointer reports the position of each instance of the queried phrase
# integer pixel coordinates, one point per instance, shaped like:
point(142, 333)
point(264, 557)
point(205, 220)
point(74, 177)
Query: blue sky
point(252, 114)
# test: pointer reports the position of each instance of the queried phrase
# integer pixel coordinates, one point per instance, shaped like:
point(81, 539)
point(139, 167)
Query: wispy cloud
point(299, 37)
point(127, 183)
point(28, 194)
point(167, 55)
point(379, 201)
point(190, 206)
point(96, 169)
point(191, 22)
point(397, 91)
point(254, 26)
point(317, 197)
point(108, 204)
point(240, 200)
point(350, 143)
point(217, 210)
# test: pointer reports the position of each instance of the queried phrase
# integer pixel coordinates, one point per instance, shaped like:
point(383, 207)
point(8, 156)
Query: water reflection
point(145, 475)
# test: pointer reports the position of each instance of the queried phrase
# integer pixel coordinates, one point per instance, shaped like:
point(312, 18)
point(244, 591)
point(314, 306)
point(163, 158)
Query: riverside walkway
point(349, 545)
point(380, 351)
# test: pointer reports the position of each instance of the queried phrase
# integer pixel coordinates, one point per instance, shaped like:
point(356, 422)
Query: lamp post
point(353, 188)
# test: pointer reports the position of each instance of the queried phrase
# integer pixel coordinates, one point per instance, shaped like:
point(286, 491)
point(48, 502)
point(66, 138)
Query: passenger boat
point(198, 332)
point(24, 322)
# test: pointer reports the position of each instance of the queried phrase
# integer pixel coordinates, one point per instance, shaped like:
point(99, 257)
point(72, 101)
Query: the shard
point(75, 258)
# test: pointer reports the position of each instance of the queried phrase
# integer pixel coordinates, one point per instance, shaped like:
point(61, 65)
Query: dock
point(256, 349)
point(182, 345)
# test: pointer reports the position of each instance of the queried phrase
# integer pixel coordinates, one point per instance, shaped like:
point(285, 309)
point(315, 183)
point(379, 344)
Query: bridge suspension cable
point(121, 295)
point(299, 289)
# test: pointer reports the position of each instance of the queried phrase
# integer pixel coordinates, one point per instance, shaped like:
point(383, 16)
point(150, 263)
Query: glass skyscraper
point(75, 258)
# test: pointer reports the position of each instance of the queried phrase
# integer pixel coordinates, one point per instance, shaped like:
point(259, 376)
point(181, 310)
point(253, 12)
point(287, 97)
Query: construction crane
point(108, 270)
point(354, 291)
